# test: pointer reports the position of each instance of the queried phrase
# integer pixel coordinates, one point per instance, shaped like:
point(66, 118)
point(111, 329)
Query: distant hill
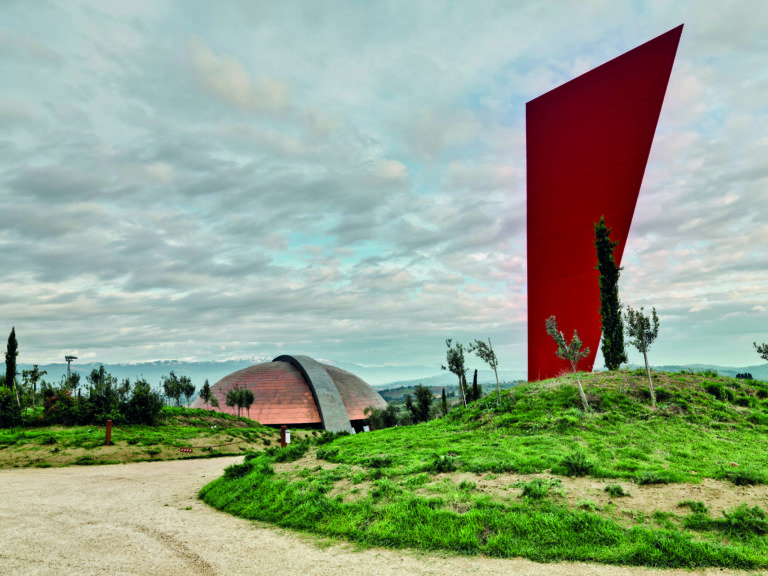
point(198, 372)
point(758, 371)
point(446, 378)
point(381, 377)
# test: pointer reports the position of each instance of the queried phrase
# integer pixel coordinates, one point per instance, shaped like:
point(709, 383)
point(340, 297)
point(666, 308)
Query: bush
point(10, 415)
point(746, 477)
point(537, 489)
point(649, 477)
point(442, 464)
point(744, 520)
point(327, 437)
point(290, 453)
point(381, 461)
point(696, 506)
point(576, 464)
point(616, 490)
point(144, 405)
point(238, 470)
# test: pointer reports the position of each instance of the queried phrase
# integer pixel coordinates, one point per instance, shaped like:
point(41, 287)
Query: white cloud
point(225, 77)
point(349, 181)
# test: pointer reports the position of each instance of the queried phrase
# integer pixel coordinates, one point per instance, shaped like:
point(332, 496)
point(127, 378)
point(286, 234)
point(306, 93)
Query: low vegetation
point(178, 433)
point(534, 475)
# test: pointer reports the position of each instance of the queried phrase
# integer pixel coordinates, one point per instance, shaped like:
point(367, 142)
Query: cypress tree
point(613, 349)
point(444, 403)
point(10, 358)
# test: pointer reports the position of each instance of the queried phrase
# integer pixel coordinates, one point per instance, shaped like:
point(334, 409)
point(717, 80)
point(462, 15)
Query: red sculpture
point(588, 143)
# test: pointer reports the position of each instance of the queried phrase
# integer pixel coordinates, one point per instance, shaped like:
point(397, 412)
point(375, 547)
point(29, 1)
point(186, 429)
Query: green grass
point(394, 487)
point(214, 434)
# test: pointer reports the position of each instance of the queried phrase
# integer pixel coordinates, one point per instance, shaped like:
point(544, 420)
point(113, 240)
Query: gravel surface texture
point(145, 519)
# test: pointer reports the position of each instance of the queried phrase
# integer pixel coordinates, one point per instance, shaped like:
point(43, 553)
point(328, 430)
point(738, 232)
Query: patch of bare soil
point(35, 455)
point(144, 518)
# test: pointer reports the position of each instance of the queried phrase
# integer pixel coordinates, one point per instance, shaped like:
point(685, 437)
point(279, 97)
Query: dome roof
point(297, 390)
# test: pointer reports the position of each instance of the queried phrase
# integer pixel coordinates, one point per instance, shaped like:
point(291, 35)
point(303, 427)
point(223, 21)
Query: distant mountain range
point(378, 376)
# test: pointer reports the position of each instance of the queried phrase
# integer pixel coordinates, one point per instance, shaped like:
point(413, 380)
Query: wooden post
point(109, 432)
point(283, 430)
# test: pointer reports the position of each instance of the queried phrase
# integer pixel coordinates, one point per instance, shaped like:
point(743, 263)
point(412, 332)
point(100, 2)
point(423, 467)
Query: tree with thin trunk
point(31, 378)
point(247, 398)
point(454, 356)
point(12, 351)
point(486, 354)
point(444, 403)
point(233, 398)
point(205, 393)
point(762, 350)
point(614, 353)
point(569, 351)
point(642, 330)
point(187, 388)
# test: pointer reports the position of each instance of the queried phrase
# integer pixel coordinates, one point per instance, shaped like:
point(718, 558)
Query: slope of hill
point(680, 485)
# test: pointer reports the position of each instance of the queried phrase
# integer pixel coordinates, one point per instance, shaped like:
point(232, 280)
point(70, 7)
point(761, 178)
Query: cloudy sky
point(203, 181)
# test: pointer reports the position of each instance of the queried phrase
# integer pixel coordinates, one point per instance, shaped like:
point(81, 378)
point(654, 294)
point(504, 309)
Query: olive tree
point(454, 356)
point(762, 350)
point(569, 351)
point(642, 330)
point(486, 354)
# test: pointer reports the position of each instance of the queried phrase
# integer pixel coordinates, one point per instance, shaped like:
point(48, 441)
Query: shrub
point(696, 506)
point(649, 477)
point(577, 464)
point(238, 470)
point(144, 405)
point(10, 415)
point(290, 453)
point(380, 461)
point(616, 491)
point(746, 476)
point(326, 437)
point(537, 489)
point(715, 390)
point(442, 464)
point(326, 453)
point(744, 520)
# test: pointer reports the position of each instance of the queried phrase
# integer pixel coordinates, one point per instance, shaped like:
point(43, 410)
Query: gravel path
point(145, 519)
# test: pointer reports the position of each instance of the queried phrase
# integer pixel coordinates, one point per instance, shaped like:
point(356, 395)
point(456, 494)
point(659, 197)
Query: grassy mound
point(427, 486)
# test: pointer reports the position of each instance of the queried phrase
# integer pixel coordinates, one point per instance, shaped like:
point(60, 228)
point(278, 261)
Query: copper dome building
point(299, 391)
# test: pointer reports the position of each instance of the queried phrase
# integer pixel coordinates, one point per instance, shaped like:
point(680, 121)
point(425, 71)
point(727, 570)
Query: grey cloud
point(19, 48)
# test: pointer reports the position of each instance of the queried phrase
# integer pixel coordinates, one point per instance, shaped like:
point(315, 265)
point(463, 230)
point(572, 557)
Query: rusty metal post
point(283, 430)
point(109, 432)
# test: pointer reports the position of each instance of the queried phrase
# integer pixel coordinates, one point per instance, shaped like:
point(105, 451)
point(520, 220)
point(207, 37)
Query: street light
point(69, 361)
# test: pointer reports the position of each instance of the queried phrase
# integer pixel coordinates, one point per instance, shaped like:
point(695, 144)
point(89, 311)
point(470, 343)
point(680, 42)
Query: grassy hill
point(683, 485)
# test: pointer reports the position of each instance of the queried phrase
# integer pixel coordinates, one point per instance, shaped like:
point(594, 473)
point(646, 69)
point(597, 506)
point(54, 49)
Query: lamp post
point(69, 361)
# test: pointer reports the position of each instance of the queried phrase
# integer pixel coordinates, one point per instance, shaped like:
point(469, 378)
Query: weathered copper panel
point(588, 143)
point(355, 392)
point(282, 396)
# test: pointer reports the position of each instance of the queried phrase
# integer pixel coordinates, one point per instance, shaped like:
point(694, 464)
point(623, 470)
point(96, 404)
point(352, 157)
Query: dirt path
point(144, 519)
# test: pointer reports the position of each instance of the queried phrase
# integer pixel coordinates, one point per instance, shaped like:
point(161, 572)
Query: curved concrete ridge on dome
point(327, 398)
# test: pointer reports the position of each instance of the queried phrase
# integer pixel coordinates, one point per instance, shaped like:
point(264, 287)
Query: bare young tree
point(642, 330)
point(455, 357)
point(486, 354)
point(569, 351)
